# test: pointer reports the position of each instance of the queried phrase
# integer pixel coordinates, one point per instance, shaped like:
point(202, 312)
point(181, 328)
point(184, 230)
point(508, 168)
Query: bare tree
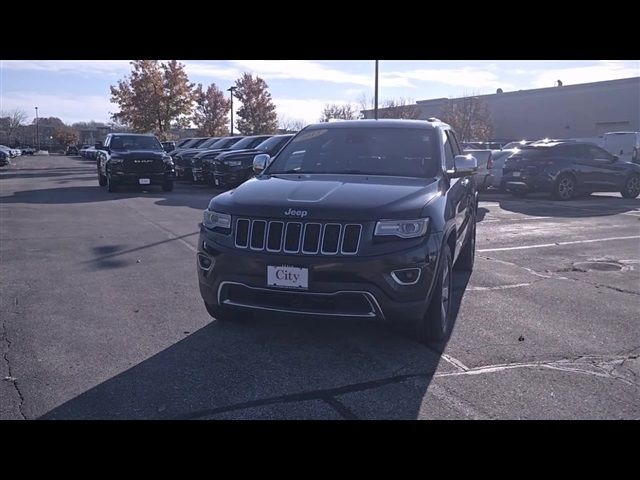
point(470, 118)
point(345, 111)
point(389, 108)
point(400, 108)
point(291, 124)
point(14, 118)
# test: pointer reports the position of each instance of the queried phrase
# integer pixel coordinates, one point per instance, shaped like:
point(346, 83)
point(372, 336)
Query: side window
point(448, 152)
point(596, 153)
point(454, 142)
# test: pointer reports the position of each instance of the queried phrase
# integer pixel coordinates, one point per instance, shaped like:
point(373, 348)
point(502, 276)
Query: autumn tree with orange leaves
point(154, 97)
point(211, 115)
point(257, 115)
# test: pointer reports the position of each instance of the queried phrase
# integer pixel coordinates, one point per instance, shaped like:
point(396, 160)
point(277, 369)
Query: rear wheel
point(631, 187)
point(435, 325)
point(111, 185)
point(565, 187)
point(468, 254)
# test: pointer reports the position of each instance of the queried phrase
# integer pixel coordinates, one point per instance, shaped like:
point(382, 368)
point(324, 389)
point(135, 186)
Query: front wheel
point(631, 187)
point(435, 325)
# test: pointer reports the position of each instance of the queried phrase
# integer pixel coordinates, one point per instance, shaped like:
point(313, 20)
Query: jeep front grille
point(309, 238)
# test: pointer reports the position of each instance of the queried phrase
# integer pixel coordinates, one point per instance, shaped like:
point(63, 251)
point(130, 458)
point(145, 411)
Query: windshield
point(273, 144)
point(225, 142)
point(407, 152)
point(134, 142)
point(208, 142)
point(248, 142)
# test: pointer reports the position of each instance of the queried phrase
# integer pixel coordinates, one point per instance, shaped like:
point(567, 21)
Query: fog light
point(204, 262)
point(407, 276)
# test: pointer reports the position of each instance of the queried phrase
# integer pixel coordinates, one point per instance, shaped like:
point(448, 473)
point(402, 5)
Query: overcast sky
point(79, 90)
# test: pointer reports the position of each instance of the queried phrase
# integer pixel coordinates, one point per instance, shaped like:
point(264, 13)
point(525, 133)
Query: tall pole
point(376, 93)
point(37, 132)
point(231, 89)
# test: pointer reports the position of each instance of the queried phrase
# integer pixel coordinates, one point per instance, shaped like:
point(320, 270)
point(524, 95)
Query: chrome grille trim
point(342, 252)
point(304, 235)
point(322, 236)
point(304, 227)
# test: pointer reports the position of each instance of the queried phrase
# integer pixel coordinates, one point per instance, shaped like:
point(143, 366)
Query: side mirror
point(260, 162)
point(464, 165)
point(615, 158)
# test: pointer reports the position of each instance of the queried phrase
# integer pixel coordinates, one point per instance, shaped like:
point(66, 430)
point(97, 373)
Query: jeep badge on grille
point(296, 213)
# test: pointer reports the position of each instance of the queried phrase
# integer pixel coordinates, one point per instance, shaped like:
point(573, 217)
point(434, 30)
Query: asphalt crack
point(10, 378)
point(602, 366)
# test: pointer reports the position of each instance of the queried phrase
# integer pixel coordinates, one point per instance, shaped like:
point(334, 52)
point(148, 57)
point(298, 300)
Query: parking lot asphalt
point(102, 318)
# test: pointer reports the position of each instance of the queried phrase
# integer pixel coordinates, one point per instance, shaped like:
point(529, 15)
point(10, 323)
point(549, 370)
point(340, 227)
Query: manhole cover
point(602, 266)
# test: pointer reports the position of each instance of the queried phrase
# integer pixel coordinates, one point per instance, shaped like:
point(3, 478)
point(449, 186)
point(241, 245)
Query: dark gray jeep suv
point(359, 218)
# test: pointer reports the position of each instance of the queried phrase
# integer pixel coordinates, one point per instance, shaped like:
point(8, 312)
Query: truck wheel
point(435, 325)
point(102, 180)
point(111, 185)
point(468, 254)
point(631, 187)
point(167, 186)
point(565, 187)
point(223, 314)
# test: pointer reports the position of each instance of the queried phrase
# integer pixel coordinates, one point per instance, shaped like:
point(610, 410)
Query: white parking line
point(499, 287)
point(557, 244)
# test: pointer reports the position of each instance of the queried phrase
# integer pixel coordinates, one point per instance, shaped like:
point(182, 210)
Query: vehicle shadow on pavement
point(273, 367)
point(543, 205)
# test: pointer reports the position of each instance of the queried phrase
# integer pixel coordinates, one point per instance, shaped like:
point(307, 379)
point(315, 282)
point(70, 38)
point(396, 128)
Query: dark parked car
point(169, 146)
point(71, 150)
point(134, 159)
point(182, 156)
point(567, 169)
point(194, 163)
point(229, 169)
point(192, 143)
point(4, 158)
point(358, 218)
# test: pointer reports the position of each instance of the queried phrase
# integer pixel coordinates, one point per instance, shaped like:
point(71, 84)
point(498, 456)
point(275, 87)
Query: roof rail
point(433, 119)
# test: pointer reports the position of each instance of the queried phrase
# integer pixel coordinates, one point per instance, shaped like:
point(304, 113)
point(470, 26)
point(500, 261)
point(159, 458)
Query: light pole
point(231, 89)
point(375, 111)
point(37, 133)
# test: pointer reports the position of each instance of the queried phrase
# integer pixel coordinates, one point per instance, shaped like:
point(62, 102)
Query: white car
point(626, 145)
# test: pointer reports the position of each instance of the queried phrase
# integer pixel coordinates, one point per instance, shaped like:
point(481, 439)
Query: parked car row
point(11, 152)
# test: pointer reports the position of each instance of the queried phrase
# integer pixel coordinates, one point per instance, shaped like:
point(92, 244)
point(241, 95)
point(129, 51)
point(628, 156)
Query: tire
point(467, 256)
point(631, 187)
point(436, 323)
point(167, 186)
point(102, 180)
point(111, 185)
point(224, 314)
point(565, 187)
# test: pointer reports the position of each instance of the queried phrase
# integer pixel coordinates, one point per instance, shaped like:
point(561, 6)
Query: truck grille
point(309, 238)
point(143, 165)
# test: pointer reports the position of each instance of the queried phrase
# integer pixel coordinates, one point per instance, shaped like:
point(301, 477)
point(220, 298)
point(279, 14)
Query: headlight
point(402, 228)
point(233, 163)
point(215, 219)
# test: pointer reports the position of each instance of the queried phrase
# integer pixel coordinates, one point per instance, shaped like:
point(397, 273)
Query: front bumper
point(159, 178)
point(338, 285)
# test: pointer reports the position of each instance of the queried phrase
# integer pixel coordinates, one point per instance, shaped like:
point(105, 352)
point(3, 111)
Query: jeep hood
point(329, 197)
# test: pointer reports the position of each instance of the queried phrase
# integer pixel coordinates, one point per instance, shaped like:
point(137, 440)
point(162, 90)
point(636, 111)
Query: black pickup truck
point(133, 159)
point(361, 218)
